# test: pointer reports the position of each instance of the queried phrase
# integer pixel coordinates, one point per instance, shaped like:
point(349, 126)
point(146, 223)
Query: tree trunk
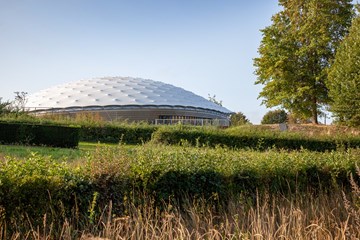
point(314, 118)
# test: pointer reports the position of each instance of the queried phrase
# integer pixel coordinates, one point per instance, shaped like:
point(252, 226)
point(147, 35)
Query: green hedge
point(128, 134)
point(251, 140)
point(37, 134)
point(39, 185)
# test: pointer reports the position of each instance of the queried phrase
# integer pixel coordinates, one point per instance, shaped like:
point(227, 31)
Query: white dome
point(118, 92)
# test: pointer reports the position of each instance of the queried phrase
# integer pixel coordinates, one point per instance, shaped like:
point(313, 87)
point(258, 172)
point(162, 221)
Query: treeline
point(309, 60)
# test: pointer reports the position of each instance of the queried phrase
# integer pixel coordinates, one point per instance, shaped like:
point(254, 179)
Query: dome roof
point(118, 91)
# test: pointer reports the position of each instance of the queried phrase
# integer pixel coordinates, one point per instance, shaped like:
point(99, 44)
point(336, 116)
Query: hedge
point(39, 185)
point(252, 140)
point(38, 134)
point(128, 134)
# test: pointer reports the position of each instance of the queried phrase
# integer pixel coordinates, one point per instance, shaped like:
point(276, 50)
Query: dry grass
point(301, 217)
point(315, 130)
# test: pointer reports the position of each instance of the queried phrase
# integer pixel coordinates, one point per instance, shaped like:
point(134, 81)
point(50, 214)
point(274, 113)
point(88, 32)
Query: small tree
point(238, 119)
point(4, 107)
point(274, 117)
point(18, 105)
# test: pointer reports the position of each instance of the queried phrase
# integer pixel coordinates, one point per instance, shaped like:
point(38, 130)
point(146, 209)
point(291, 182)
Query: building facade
point(126, 98)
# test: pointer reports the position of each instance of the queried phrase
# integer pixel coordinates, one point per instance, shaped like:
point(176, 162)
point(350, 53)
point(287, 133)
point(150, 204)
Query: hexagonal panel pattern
point(118, 91)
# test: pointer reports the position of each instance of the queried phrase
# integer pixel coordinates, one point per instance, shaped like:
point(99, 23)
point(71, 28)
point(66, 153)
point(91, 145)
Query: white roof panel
point(118, 91)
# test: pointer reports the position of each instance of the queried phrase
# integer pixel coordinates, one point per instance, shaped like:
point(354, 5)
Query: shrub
point(37, 134)
point(4, 107)
point(274, 117)
point(39, 187)
point(238, 119)
point(129, 134)
point(253, 140)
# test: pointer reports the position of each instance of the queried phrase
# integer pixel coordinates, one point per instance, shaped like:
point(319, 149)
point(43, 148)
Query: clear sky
point(204, 46)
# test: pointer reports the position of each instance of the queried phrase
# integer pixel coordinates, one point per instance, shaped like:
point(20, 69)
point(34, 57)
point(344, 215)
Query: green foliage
point(125, 133)
point(18, 105)
point(344, 78)
point(24, 118)
point(169, 171)
point(238, 119)
point(15, 108)
point(296, 51)
point(105, 132)
point(274, 117)
point(33, 187)
point(70, 154)
point(260, 140)
point(39, 185)
point(35, 134)
point(4, 107)
point(40, 190)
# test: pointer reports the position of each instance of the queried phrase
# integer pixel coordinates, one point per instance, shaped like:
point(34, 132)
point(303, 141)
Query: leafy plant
point(344, 78)
point(238, 119)
point(274, 117)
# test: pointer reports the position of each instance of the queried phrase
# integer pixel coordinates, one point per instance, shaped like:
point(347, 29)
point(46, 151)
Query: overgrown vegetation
point(182, 181)
point(247, 138)
point(238, 119)
point(152, 182)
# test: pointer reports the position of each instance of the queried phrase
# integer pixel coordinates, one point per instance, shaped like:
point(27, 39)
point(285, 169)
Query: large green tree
point(296, 52)
point(344, 78)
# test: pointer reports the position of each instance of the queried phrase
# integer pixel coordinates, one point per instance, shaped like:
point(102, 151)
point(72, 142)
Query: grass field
point(154, 191)
point(19, 151)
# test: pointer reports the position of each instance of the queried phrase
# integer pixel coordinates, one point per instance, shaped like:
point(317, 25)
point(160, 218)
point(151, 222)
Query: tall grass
point(302, 216)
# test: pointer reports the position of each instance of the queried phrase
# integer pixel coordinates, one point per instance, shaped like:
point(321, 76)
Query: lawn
point(20, 151)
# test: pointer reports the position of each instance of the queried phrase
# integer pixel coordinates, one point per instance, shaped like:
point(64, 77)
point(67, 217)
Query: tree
point(4, 107)
point(19, 102)
point(296, 52)
point(344, 78)
point(238, 119)
point(274, 117)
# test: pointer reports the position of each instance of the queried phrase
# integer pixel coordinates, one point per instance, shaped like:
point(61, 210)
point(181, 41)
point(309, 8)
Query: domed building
point(126, 98)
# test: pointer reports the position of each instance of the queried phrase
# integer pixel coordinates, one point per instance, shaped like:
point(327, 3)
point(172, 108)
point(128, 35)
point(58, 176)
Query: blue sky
point(204, 46)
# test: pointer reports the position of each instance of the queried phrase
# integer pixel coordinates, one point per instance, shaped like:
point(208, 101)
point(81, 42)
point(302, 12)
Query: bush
point(97, 131)
point(4, 107)
point(252, 140)
point(37, 134)
point(128, 134)
point(238, 119)
point(39, 185)
point(274, 117)
point(33, 187)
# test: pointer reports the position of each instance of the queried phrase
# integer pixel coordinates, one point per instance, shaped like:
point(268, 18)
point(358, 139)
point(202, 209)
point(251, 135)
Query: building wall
point(144, 114)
